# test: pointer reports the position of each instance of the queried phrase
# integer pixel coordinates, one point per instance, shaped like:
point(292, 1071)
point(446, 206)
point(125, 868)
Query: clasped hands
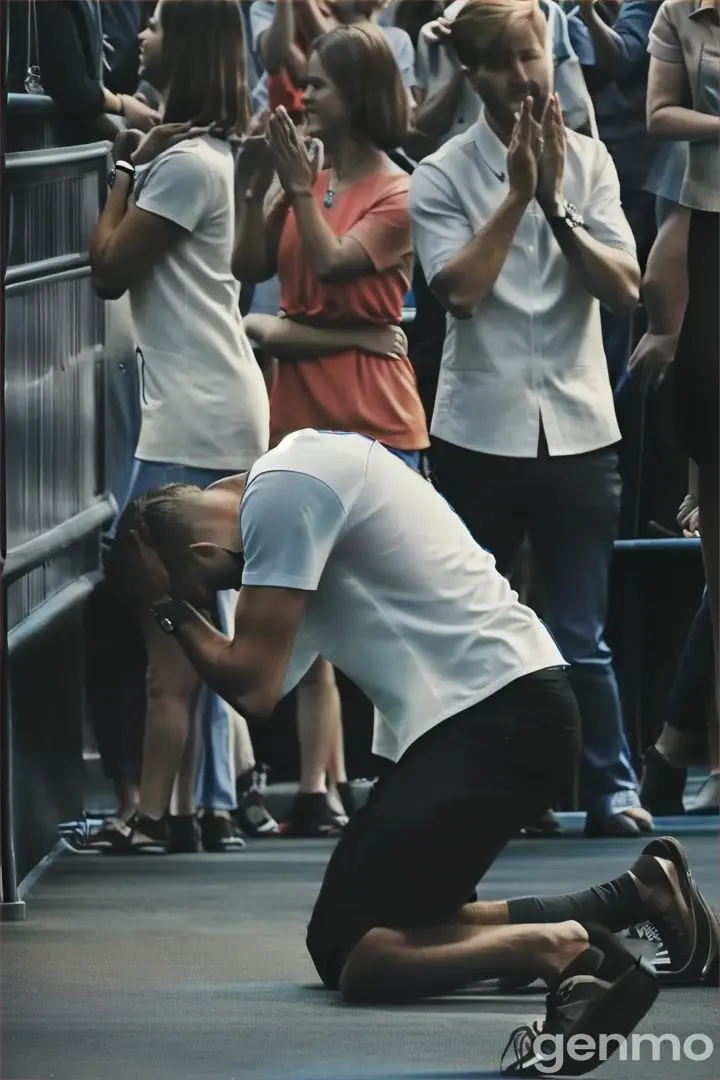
point(536, 155)
point(279, 148)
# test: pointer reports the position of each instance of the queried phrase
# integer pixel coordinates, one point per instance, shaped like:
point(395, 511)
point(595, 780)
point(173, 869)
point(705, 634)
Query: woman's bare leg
point(127, 791)
point(183, 797)
point(336, 772)
point(172, 690)
point(243, 752)
point(319, 722)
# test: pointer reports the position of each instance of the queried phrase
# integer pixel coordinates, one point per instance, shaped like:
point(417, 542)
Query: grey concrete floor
point(194, 967)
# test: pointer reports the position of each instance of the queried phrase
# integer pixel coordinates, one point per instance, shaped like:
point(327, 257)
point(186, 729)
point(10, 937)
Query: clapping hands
point(536, 155)
point(295, 163)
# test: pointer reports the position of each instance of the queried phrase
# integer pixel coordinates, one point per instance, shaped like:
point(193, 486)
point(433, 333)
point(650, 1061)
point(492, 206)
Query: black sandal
point(312, 818)
point(156, 833)
point(220, 835)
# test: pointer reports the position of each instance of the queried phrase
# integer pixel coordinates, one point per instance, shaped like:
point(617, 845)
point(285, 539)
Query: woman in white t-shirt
point(165, 237)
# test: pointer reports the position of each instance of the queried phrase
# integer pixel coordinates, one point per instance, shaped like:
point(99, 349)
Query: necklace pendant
point(329, 199)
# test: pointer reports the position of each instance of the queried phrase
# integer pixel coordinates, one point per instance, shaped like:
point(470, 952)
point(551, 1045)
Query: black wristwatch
point(569, 218)
point(169, 615)
point(122, 166)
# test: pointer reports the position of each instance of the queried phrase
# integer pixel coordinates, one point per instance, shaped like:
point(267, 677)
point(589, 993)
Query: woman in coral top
point(340, 242)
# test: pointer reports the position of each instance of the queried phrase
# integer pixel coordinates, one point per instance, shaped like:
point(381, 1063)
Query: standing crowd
point(288, 177)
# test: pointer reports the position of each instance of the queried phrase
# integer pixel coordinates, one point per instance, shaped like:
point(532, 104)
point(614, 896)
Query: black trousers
point(569, 508)
point(436, 821)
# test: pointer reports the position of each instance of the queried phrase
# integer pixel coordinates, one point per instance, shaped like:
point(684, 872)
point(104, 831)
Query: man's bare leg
point(401, 965)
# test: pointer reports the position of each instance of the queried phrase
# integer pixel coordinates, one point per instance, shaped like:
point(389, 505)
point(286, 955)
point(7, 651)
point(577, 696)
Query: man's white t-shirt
point(203, 396)
point(403, 601)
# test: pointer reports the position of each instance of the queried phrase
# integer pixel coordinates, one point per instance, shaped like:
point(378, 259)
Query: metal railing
point(55, 504)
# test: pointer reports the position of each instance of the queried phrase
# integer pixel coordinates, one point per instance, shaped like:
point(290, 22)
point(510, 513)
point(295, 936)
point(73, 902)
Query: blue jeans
point(215, 781)
point(413, 458)
point(569, 508)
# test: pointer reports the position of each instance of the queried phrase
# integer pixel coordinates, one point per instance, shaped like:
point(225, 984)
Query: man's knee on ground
point(369, 975)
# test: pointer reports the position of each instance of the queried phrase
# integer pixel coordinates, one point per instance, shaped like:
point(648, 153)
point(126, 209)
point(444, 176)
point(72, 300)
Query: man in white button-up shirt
point(521, 235)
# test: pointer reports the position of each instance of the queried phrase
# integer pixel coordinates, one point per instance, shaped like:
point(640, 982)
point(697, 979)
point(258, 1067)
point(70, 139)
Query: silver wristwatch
point(570, 218)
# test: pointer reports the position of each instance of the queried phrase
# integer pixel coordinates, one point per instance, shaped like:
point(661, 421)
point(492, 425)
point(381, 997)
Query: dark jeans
point(568, 507)
point(692, 690)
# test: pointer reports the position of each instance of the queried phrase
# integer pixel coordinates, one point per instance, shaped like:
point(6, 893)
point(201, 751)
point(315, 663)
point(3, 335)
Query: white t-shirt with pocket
point(203, 397)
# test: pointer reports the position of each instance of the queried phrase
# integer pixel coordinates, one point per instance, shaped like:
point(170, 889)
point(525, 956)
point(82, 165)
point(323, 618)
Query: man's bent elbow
point(456, 305)
point(257, 706)
point(452, 299)
point(625, 299)
point(248, 272)
point(655, 121)
point(629, 297)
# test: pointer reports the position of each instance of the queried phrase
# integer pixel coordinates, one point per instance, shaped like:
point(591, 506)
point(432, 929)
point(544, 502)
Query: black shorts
point(436, 822)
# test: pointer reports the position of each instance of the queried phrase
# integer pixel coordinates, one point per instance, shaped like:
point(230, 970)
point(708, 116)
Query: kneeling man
point(344, 552)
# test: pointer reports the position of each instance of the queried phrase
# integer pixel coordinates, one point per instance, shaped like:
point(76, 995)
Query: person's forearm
point(286, 339)
point(215, 659)
point(320, 244)
point(276, 42)
point(610, 275)
point(685, 125)
point(252, 262)
point(610, 55)
point(665, 286)
point(433, 118)
point(112, 103)
point(315, 23)
point(471, 274)
point(112, 215)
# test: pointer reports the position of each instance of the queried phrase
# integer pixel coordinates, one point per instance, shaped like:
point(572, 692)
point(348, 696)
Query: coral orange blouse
point(351, 391)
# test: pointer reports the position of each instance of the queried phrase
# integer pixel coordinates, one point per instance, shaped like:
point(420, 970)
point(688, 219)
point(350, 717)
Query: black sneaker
point(691, 955)
point(604, 992)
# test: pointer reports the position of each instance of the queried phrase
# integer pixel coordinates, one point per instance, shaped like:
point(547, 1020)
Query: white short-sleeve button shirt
point(533, 350)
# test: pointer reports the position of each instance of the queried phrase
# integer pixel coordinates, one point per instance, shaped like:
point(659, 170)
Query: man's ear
point(205, 551)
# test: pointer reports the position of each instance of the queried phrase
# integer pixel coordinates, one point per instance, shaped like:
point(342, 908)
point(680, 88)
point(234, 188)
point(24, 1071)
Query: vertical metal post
point(12, 908)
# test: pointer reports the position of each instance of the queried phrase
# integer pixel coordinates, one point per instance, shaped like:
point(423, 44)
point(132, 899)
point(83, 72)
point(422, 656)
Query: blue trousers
point(569, 509)
point(215, 784)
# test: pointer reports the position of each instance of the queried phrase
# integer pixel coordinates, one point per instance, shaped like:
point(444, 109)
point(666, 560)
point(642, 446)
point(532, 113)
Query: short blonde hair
point(481, 27)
